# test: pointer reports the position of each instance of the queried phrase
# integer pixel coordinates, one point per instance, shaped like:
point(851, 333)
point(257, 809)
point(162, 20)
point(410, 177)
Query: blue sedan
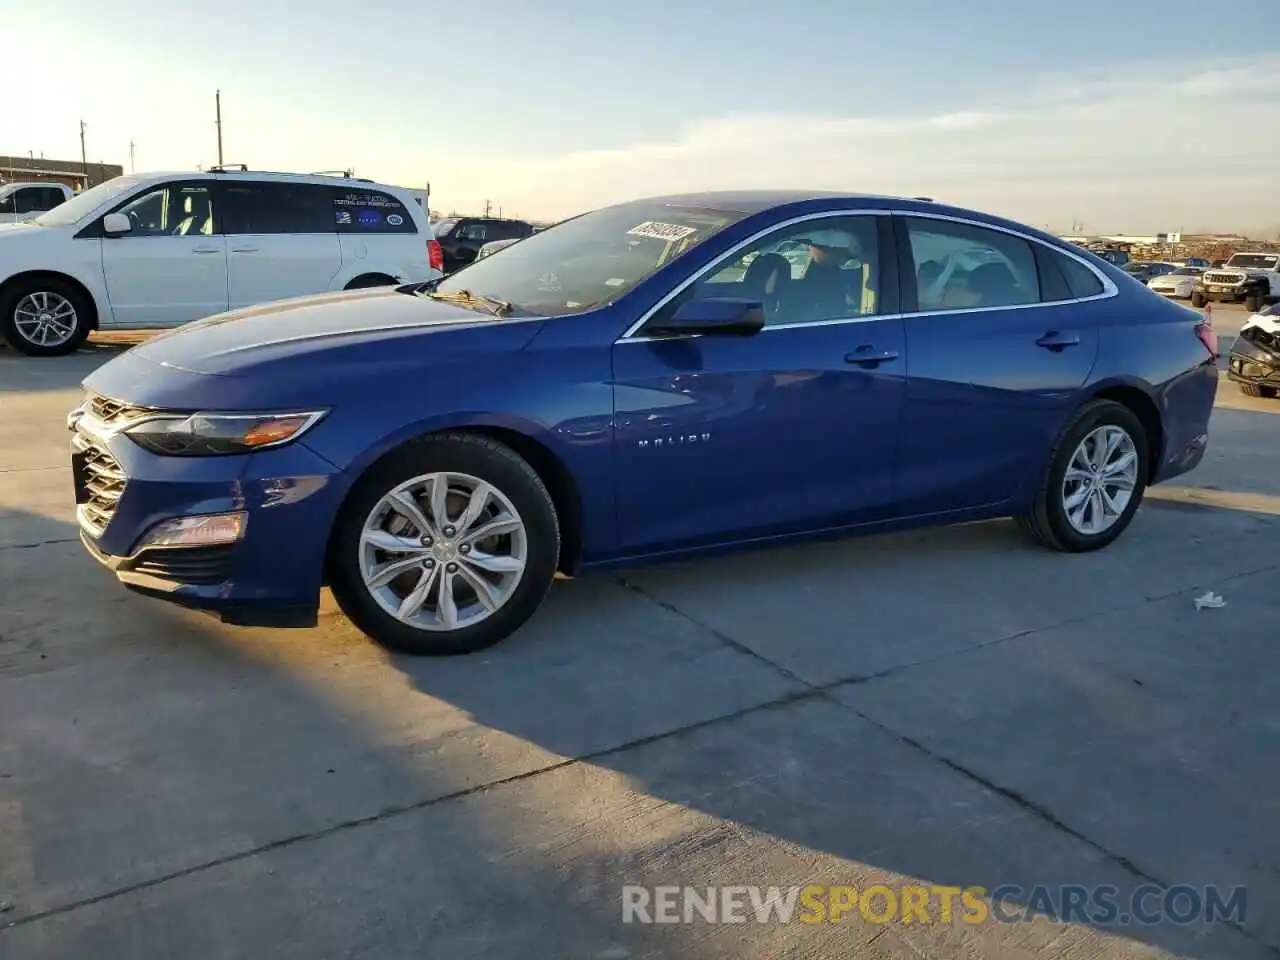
point(645, 382)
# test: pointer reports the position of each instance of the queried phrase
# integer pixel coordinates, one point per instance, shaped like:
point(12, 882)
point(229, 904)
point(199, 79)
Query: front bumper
point(1223, 293)
point(1253, 364)
point(271, 576)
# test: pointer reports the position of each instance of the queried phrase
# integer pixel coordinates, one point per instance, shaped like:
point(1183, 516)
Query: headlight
point(221, 434)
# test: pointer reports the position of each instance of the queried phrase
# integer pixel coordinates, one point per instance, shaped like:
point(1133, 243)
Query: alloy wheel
point(45, 319)
point(443, 551)
point(1100, 480)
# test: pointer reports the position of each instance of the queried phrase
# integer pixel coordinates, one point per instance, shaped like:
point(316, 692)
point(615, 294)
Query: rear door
point(171, 266)
point(379, 235)
point(281, 240)
point(998, 348)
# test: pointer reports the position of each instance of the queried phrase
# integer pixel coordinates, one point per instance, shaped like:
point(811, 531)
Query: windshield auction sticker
point(662, 231)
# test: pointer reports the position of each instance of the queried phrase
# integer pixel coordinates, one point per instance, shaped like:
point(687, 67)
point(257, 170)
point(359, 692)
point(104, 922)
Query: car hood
point(240, 342)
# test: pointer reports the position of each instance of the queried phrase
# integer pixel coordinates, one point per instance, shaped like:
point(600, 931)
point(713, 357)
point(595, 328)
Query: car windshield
point(441, 228)
point(589, 260)
point(85, 203)
point(1187, 272)
point(1253, 261)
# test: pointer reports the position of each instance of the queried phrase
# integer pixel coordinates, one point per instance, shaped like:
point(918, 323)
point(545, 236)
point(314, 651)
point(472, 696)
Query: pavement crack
point(391, 812)
point(39, 543)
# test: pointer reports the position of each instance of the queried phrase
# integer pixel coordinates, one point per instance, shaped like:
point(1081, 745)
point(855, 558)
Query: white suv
point(159, 250)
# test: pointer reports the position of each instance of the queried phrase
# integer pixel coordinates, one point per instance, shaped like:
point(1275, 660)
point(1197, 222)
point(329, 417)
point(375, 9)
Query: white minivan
point(158, 250)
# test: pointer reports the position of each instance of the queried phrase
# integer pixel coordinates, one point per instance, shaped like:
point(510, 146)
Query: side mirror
point(114, 223)
point(721, 316)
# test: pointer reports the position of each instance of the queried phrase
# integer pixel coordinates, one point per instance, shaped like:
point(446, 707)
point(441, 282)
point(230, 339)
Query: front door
point(997, 361)
point(793, 429)
point(171, 266)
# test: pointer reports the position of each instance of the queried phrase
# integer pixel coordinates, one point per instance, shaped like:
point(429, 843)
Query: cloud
point(1147, 147)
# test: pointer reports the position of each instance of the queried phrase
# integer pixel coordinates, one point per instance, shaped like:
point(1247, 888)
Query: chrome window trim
point(720, 262)
point(1109, 289)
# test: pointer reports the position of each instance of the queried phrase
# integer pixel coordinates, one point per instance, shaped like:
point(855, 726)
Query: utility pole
point(217, 106)
point(84, 162)
point(132, 168)
point(487, 207)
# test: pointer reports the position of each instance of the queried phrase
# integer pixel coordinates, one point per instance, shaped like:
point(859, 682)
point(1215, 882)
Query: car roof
point(270, 175)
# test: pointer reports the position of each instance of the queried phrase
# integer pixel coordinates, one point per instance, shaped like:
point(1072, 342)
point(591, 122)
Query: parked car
point(461, 238)
point(1145, 271)
point(160, 250)
point(618, 390)
point(1255, 356)
point(22, 201)
point(1249, 278)
point(493, 246)
point(1178, 283)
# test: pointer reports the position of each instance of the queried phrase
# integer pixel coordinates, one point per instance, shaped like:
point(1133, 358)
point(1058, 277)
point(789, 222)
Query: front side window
point(273, 208)
point(823, 269)
point(6, 204)
point(589, 260)
point(173, 210)
point(960, 267)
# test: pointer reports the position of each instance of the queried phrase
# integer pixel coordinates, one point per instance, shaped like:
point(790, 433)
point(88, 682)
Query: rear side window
point(368, 211)
point(1081, 281)
point(266, 208)
point(31, 200)
point(959, 266)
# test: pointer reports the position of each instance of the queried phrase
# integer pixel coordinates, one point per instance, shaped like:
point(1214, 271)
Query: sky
point(1118, 117)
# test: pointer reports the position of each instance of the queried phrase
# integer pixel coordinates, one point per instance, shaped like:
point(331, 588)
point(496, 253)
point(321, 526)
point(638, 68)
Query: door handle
point(206, 249)
point(244, 249)
point(865, 356)
point(1053, 340)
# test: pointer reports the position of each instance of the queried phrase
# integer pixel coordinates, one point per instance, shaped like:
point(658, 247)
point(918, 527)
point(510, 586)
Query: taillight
point(1209, 337)
point(435, 256)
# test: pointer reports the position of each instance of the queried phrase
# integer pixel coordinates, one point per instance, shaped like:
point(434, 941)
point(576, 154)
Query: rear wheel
point(44, 317)
point(1095, 480)
point(446, 547)
point(1255, 390)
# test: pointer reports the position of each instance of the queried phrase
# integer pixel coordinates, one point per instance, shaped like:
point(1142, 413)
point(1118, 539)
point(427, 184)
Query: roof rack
point(224, 167)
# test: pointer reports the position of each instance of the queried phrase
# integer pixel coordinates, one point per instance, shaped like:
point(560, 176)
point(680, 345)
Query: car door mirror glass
point(712, 316)
point(116, 223)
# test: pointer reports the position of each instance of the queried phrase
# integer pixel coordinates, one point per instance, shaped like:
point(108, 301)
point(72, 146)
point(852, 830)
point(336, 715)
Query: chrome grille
point(101, 484)
point(113, 412)
point(1223, 278)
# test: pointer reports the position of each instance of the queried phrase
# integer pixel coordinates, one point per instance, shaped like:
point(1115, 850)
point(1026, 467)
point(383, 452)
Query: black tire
point(1047, 522)
point(370, 280)
point(1254, 302)
point(463, 453)
point(1255, 390)
point(1197, 299)
point(18, 292)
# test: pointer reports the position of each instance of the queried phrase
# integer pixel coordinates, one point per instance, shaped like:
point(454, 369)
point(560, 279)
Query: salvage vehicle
point(1254, 363)
point(620, 389)
point(1179, 283)
point(1249, 278)
point(22, 201)
point(161, 249)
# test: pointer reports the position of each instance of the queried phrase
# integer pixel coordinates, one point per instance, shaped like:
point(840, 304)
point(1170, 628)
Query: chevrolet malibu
point(649, 381)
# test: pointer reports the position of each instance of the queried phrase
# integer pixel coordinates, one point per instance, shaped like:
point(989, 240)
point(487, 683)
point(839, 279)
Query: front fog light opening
point(202, 531)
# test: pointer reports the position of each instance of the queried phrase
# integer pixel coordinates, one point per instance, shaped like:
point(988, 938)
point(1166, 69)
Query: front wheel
point(1197, 299)
point(446, 547)
point(44, 317)
point(1254, 302)
point(1095, 480)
